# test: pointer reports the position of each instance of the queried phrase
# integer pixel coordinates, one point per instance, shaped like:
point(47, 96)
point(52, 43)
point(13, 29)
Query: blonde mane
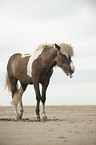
point(65, 49)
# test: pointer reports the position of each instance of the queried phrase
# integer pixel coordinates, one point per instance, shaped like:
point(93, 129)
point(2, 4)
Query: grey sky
point(24, 24)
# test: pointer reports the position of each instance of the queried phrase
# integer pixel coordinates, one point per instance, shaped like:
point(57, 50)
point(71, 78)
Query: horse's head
point(63, 58)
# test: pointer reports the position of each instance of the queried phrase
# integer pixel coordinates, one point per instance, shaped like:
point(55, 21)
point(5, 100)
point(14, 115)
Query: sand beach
point(66, 125)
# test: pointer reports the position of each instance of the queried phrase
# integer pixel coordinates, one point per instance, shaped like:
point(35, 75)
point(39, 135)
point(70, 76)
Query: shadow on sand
point(29, 120)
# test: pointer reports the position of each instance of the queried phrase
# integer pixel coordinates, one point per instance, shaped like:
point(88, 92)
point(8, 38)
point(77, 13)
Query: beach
point(66, 125)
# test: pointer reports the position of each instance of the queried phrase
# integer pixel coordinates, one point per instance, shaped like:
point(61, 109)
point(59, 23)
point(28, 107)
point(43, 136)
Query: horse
point(36, 69)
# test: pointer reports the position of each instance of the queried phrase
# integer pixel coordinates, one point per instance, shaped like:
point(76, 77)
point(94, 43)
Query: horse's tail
point(16, 98)
point(7, 82)
point(10, 85)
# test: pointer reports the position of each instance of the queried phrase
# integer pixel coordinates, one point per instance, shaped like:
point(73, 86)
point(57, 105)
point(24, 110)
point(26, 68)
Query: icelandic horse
point(36, 69)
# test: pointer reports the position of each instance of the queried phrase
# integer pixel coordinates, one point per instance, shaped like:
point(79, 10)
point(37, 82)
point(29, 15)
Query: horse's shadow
point(31, 120)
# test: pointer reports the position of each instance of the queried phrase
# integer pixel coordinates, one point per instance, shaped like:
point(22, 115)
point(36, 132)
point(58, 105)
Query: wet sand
point(66, 125)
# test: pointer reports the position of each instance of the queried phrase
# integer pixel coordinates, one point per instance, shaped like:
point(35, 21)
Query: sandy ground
point(67, 125)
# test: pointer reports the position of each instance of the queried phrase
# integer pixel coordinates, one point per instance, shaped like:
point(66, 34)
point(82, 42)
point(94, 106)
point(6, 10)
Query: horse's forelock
point(66, 49)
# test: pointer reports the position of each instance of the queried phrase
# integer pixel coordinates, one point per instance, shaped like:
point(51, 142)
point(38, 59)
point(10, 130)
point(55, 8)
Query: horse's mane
point(65, 49)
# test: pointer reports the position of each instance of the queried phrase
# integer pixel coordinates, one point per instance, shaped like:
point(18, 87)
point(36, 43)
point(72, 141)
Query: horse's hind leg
point(15, 93)
point(18, 98)
point(21, 91)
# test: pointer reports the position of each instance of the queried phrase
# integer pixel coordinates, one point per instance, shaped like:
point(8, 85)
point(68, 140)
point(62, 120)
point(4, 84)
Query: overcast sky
point(24, 24)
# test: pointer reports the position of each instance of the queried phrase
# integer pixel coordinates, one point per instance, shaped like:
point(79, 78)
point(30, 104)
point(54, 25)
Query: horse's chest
point(45, 76)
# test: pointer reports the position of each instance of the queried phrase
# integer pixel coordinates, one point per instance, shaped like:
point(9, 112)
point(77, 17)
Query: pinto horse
point(36, 69)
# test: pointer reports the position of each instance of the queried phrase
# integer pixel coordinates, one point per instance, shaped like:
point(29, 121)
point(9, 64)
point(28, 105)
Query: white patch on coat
point(25, 55)
point(33, 57)
point(72, 66)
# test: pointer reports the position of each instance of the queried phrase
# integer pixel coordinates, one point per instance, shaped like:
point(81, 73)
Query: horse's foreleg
point(43, 114)
point(38, 98)
point(43, 99)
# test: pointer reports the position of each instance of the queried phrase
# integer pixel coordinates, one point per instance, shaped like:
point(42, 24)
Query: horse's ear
point(58, 47)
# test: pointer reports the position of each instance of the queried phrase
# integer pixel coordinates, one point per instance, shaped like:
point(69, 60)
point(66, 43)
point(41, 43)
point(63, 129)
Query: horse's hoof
point(18, 117)
point(37, 119)
point(44, 118)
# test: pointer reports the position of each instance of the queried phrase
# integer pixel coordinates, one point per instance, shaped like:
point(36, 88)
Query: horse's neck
point(51, 65)
point(52, 61)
